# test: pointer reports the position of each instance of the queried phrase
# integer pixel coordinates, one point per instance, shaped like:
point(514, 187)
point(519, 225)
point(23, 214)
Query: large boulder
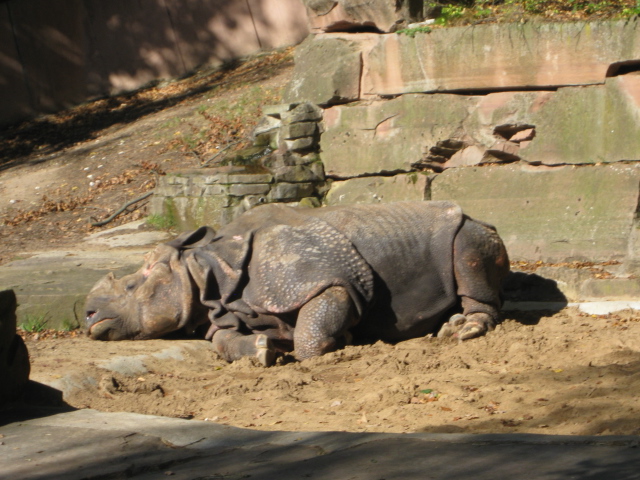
point(14, 358)
point(350, 15)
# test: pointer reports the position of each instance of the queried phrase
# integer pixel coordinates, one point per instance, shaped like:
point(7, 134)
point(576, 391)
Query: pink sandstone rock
point(491, 57)
point(466, 157)
point(503, 151)
point(349, 15)
point(523, 135)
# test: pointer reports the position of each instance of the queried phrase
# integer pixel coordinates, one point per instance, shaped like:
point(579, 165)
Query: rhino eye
point(130, 287)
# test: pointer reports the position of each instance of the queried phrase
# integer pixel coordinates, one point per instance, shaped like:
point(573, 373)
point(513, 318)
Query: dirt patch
point(567, 373)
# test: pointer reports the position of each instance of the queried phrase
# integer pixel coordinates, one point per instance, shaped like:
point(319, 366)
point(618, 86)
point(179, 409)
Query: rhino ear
point(198, 238)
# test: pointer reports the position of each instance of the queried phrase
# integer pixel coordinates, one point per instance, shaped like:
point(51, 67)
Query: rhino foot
point(265, 351)
point(232, 345)
point(452, 326)
point(465, 327)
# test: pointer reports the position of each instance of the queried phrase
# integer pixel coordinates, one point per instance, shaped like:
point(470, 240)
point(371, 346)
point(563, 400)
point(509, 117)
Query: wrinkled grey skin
point(278, 279)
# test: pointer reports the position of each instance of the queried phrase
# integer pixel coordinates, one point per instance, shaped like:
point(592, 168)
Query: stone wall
point(534, 128)
point(531, 127)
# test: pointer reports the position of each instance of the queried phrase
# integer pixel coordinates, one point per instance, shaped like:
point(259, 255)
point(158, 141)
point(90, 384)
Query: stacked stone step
point(295, 164)
point(291, 173)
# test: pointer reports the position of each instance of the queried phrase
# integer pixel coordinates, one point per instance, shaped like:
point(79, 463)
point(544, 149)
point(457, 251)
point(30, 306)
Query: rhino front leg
point(480, 263)
point(322, 321)
point(232, 345)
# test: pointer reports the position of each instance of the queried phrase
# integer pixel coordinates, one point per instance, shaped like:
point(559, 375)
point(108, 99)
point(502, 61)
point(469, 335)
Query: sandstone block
point(503, 114)
point(266, 132)
point(305, 112)
point(308, 159)
point(550, 214)
point(298, 174)
point(468, 156)
point(345, 15)
point(190, 213)
point(165, 189)
point(503, 151)
point(388, 135)
point(412, 186)
point(277, 111)
point(242, 189)
point(523, 135)
point(14, 358)
point(326, 72)
point(216, 179)
point(196, 189)
point(300, 144)
point(290, 191)
point(297, 130)
point(216, 190)
point(588, 124)
point(486, 57)
point(610, 289)
point(250, 178)
point(177, 179)
point(278, 160)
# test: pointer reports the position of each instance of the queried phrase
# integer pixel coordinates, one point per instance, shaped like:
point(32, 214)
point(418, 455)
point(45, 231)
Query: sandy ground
point(566, 373)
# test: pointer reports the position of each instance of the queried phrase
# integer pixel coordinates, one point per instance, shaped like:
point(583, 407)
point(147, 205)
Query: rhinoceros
point(279, 279)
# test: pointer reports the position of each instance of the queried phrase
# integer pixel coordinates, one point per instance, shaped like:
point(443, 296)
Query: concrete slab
point(91, 444)
point(604, 308)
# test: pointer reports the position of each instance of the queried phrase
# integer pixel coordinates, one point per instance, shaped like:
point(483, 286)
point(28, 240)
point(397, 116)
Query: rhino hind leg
point(480, 263)
point(322, 321)
point(232, 345)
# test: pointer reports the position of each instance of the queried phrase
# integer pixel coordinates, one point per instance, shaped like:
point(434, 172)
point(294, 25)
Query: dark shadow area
point(56, 132)
point(109, 453)
point(622, 68)
point(54, 55)
point(38, 400)
point(520, 287)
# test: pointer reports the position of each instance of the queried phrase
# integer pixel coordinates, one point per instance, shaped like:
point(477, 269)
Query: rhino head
point(157, 299)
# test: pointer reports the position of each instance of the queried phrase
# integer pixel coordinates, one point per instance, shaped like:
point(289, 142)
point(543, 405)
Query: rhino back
point(409, 246)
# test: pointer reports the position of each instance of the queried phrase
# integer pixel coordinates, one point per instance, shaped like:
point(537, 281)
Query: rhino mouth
point(100, 326)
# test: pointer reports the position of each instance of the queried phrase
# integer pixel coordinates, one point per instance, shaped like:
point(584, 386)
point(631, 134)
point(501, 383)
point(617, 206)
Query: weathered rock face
point(398, 188)
point(555, 214)
point(493, 57)
point(588, 124)
point(481, 58)
point(349, 15)
point(388, 136)
point(327, 71)
point(14, 358)
point(573, 125)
